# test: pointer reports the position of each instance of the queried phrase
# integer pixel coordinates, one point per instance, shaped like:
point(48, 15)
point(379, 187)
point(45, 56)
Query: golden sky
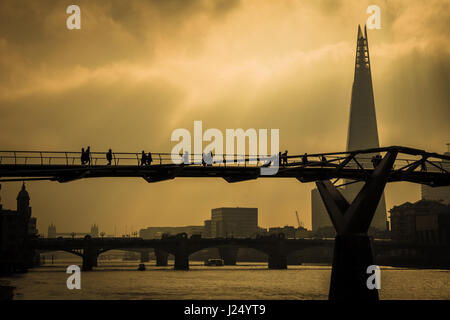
point(137, 70)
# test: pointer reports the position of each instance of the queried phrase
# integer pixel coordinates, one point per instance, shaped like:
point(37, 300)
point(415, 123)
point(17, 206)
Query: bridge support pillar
point(181, 261)
point(277, 260)
point(145, 256)
point(352, 248)
point(89, 258)
point(352, 256)
point(229, 255)
point(161, 258)
point(182, 255)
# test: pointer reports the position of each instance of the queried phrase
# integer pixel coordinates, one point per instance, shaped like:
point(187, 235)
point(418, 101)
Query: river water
point(121, 280)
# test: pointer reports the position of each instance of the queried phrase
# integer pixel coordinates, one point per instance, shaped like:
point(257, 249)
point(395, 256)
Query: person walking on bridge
point(149, 159)
point(143, 158)
point(186, 158)
point(109, 156)
point(285, 161)
point(376, 159)
point(88, 155)
point(209, 158)
point(83, 156)
point(204, 159)
point(305, 159)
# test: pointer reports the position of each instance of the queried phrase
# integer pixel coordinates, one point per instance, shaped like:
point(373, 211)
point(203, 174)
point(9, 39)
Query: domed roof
point(23, 193)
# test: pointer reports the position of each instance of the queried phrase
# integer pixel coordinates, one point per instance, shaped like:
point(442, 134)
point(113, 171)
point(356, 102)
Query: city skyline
point(277, 81)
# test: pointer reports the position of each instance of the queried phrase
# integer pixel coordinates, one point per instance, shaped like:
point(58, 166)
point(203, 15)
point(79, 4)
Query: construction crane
point(298, 220)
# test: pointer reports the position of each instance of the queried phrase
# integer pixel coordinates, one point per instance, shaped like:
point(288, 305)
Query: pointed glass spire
point(362, 62)
point(362, 131)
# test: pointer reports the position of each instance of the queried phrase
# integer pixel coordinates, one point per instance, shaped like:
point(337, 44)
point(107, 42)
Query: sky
point(138, 70)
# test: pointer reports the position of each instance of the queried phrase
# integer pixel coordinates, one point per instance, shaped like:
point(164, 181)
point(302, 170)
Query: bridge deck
point(414, 165)
point(128, 243)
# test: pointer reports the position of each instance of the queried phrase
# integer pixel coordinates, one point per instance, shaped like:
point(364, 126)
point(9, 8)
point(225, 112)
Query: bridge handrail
point(400, 149)
point(409, 160)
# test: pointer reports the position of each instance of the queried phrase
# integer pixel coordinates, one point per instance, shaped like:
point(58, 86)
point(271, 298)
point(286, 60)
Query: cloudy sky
point(137, 70)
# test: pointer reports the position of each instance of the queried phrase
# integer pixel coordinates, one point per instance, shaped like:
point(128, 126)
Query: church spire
point(23, 200)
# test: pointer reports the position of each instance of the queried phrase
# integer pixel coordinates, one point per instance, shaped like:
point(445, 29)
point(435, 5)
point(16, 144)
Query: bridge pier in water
point(277, 260)
point(277, 255)
point(352, 255)
point(229, 255)
point(90, 256)
point(352, 248)
point(182, 255)
point(161, 258)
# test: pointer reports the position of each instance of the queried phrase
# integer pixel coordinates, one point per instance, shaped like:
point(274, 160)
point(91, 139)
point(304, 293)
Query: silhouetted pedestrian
point(83, 156)
point(149, 159)
point(109, 156)
point(186, 157)
point(143, 158)
point(88, 155)
point(203, 159)
point(376, 159)
point(209, 158)
point(305, 158)
point(285, 161)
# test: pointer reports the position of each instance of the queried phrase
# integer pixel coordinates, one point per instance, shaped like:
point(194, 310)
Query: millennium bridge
point(352, 246)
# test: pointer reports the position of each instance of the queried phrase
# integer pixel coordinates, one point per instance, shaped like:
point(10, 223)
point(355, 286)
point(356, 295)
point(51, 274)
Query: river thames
point(247, 281)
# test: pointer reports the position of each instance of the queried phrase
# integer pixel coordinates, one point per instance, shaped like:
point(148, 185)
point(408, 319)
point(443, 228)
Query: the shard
point(362, 134)
point(362, 129)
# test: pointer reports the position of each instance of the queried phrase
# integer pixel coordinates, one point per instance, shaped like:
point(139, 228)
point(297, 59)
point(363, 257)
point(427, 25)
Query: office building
point(424, 221)
point(234, 222)
point(437, 193)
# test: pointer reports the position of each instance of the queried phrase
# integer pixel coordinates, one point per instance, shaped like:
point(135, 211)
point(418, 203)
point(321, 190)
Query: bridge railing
point(120, 158)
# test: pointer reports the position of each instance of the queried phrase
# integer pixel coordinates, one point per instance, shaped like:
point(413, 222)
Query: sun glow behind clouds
point(136, 72)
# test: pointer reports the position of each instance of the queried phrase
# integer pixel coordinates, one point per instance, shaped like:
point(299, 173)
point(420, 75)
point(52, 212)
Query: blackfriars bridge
point(181, 247)
point(276, 247)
